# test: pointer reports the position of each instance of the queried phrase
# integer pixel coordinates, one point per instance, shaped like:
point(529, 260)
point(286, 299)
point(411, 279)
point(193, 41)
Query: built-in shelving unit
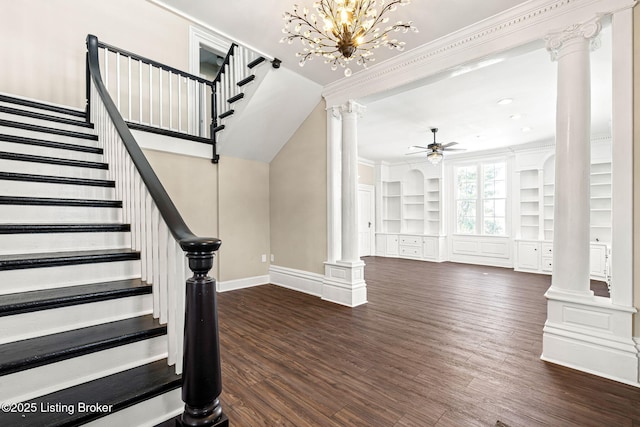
point(391, 206)
point(433, 206)
point(548, 189)
point(413, 203)
point(529, 204)
point(601, 202)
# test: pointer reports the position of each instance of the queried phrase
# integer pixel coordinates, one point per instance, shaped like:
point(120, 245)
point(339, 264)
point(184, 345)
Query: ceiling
point(462, 104)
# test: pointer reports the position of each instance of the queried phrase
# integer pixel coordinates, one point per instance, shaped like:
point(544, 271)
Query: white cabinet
point(412, 246)
point(528, 255)
point(599, 261)
point(392, 245)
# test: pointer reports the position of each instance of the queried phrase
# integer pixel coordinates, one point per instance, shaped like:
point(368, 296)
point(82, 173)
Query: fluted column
point(350, 242)
point(334, 187)
point(571, 49)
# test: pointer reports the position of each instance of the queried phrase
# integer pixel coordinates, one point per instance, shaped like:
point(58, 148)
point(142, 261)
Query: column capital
point(353, 107)
point(334, 111)
point(586, 31)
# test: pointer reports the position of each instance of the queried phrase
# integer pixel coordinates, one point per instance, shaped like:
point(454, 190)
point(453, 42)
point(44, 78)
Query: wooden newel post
point(201, 375)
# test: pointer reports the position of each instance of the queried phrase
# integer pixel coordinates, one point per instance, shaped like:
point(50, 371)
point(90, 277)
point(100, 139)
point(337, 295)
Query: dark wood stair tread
point(13, 176)
point(53, 201)
point(42, 106)
point(43, 116)
point(62, 228)
point(55, 259)
point(26, 302)
point(33, 352)
point(46, 129)
point(52, 160)
point(120, 390)
point(50, 144)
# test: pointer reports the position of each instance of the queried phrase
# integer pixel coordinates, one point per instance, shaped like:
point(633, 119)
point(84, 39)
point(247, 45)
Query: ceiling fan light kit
point(341, 31)
point(435, 150)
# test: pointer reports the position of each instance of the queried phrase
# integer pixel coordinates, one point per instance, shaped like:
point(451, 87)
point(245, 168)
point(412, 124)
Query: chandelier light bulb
point(345, 30)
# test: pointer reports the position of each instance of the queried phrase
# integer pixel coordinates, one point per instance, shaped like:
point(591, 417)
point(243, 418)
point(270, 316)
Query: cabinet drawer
point(547, 263)
point(411, 251)
point(547, 249)
point(410, 240)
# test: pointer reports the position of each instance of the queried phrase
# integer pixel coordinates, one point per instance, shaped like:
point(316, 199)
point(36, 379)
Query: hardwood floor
point(437, 345)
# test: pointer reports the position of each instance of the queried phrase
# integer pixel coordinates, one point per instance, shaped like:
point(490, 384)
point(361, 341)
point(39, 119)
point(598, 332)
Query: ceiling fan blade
point(416, 152)
point(449, 144)
point(420, 147)
point(454, 149)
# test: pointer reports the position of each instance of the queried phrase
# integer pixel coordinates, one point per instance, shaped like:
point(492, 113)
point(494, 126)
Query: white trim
point(199, 37)
point(247, 282)
point(297, 280)
point(514, 28)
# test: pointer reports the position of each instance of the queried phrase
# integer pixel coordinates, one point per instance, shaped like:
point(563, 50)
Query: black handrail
point(226, 61)
point(152, 62)
point(202, 384)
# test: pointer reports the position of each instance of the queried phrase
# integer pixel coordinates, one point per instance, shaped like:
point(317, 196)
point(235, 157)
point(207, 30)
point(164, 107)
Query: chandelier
point(342, 31)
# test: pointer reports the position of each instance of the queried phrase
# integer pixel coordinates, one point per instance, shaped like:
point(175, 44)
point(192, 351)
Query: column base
point(593, 336)
point(344, 283)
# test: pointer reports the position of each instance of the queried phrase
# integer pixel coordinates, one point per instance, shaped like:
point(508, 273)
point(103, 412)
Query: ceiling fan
point(435, 150)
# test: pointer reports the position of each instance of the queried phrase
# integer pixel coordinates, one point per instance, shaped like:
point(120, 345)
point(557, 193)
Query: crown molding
point(523, 24)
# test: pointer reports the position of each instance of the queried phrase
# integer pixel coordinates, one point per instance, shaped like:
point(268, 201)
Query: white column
point(334, 215)
point(344, 271)
point(570, 48)
point(350, 242)
point(582, 331)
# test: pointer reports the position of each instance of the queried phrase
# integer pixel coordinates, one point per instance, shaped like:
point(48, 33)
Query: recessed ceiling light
point(505, 101)
point(526, 129)
point(515, 116)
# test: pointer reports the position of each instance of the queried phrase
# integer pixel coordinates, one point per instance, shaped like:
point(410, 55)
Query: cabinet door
point(392, 244)
point(430, 247)
point(598, 261)
point(528, 255)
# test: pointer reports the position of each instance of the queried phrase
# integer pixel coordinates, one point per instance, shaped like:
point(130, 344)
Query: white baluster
point(150, 95)
point(148, 244)
point(183, 275)
point(118, 80)
point(155, 256)
point(106, 68)
point(160, 96)
point(139, 91)
point(129, 83)
point(172, 280)
point(163, 244)
point(179, 103)
point(170, 101)
point(142, 227)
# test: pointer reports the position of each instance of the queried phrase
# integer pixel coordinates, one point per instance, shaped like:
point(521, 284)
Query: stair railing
point(162, 237)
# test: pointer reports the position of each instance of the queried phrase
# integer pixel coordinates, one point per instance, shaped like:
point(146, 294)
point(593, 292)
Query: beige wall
point(176, 174)
point(43, 42)
point(243, 218)
point(636, 167)
point(298, 186)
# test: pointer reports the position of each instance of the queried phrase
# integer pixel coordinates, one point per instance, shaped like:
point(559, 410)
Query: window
point(481, 204)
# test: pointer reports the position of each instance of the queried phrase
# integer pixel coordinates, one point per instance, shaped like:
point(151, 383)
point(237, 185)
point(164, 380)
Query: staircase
point(78, 341)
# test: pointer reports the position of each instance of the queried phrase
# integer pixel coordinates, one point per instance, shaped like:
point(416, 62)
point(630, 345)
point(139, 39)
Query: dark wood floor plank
point(437, 345)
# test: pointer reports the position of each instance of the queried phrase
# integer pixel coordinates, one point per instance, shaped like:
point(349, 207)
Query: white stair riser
point(61, 242)
point(47, 379)
point(27, 214)
point(39, 323)
point(51, 189)
point(18, 166)
point(149, 413)
point(32, 279)
point(36, 150)
point(46, 123)
point(8, 130)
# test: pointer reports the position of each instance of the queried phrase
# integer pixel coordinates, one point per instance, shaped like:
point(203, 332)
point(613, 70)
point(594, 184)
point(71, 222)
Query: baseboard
point(297, 280)
point(247, 282)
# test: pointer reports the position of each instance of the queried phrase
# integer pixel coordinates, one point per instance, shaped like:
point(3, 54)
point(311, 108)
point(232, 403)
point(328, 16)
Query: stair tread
point(62, 228)
point(52, 160)
point(25, 302)
point(33, 352)
point(43, 116)
point(42, 105)
point(14, 176)
point(47, 129)
point(54, 201)
point(51, 144)
point(120, 390)
point(53, 259)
